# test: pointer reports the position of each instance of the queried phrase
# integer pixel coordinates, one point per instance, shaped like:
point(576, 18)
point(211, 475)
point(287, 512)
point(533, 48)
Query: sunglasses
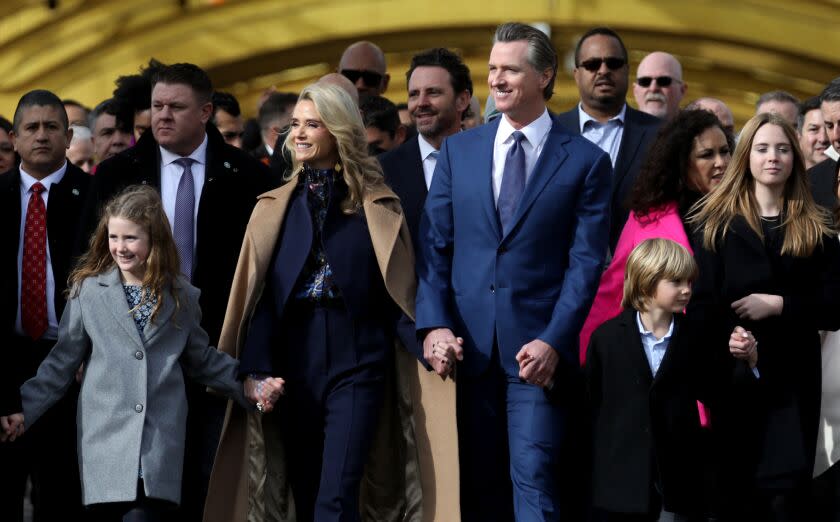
point(371, 79)
point(662, 81)
point(593, 64)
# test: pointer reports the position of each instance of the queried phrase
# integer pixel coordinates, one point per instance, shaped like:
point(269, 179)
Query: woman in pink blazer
point(686, 161)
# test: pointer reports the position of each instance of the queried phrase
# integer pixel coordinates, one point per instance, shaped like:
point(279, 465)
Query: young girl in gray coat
point(133, 321)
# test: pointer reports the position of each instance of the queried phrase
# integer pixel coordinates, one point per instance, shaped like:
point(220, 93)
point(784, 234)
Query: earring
point(338, 167)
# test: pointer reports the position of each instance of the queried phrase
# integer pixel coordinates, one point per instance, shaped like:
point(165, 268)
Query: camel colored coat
point(412, 472)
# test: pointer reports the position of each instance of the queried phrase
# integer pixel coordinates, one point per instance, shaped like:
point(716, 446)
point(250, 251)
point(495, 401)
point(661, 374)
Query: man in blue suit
point(512, 242)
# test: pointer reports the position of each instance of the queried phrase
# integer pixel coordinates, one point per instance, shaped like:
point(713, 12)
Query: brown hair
point(142, 205)
point(652, 261)
point(804, 222)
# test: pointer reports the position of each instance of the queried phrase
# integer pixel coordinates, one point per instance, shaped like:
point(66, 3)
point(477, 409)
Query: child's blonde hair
point(141, 205)
point(652, 261)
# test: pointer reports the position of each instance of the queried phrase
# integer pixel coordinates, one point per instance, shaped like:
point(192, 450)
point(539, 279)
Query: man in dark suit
point(208, 189)
point(512, 241)
point(604, 118)
point(823, 175)
point(41, 203)
point(439, 91)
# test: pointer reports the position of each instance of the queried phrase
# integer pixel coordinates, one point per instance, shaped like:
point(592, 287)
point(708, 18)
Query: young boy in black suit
point(644, 379)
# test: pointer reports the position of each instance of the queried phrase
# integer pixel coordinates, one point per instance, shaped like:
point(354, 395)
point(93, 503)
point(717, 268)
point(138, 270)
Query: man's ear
point(399, 136)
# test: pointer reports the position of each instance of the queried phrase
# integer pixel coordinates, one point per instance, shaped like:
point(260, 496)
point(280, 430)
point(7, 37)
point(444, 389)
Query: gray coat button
point(139, 408)
point(138, 355)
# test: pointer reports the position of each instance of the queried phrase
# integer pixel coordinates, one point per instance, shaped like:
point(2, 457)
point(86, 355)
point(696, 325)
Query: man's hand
point(743, 346)
point(758, 306)
point(12, 427)
point(264, 391)
point(537, 362)
point(442, 349)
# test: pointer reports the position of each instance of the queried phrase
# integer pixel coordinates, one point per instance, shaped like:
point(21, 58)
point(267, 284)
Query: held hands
point(12, 427)
point(743, 346)
point(264, 391)
point(537, 362)
point(442, 349)
point(758, 306)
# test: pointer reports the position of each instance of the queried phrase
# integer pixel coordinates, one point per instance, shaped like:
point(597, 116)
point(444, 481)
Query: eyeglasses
point(371, 79)
point(593, 64)
point(662, 81)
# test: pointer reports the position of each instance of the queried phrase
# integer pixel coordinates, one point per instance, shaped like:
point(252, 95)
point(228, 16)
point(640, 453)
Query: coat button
point(492, 289)
point(138, 355)
point(138, 408)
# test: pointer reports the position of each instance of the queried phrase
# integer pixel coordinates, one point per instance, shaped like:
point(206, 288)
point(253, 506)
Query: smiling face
point(771, 156)
point(433, 104)
point(41, 140)
point(129, 245)
point(813, 139)
point(312, 142)
point(516, 86)
point(708, 160)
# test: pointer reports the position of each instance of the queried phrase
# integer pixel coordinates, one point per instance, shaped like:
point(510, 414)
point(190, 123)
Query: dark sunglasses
point(371, 79)
point(593, 64)
point(662, 81)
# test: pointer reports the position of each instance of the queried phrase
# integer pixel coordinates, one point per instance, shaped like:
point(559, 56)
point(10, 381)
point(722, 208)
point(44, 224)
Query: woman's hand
point(12, 427)
point(758, 306)
point(264, 391)
point(743, 346)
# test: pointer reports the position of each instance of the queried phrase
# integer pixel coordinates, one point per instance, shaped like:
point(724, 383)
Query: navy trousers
point(513, 444)
point(334, 371)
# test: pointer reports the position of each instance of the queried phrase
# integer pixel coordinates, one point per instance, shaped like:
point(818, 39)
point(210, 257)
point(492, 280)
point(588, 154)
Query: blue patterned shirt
point(317, 283)
point(142, 314)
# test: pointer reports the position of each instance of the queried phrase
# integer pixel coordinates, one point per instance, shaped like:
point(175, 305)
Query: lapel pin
point(227, 165)
point(145, 182)
point(75, 191)
point(211, 179)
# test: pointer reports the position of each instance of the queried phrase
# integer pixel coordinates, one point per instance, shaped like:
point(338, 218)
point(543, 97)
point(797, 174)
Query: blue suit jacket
point(538, 281)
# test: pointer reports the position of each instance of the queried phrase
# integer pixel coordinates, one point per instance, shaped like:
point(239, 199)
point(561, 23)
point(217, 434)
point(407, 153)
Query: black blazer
point(777, 414)
point(403, 171)
point(823, 178)
point(646, 429)
point(64, 211)
point(639, 133)
point(233, 180)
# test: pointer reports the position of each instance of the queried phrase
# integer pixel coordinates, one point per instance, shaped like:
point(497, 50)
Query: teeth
point(302, 145)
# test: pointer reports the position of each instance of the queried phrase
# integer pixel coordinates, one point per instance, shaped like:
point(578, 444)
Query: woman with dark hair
point(686, 161)
point(770, 263)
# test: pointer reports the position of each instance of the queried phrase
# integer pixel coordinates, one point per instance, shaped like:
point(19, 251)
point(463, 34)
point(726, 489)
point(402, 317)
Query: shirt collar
point(426, 148)
point(586, 118)
point(534, 132)
point(27, 180)
point(648, 333)
point(199, 155)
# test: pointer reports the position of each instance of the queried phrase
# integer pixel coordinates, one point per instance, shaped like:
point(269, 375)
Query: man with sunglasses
point(604, 118)
point(659, 86)
point(363, 63)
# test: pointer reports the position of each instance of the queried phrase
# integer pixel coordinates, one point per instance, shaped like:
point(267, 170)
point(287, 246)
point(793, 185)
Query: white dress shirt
point(605, 135)
point(26, 182)
point(170, 176)
point(535, 133)
point(429, 160)
point(654, 347)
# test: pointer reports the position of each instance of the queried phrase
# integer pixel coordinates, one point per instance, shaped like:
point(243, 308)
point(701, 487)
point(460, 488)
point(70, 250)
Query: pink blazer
point(664, 223)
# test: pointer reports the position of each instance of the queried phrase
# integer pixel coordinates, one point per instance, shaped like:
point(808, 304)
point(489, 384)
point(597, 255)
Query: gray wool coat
point(132, 405)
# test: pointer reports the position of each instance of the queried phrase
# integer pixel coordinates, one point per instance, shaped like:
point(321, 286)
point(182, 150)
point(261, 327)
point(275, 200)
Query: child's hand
point(743, 346)
point(263, 391)
point(12, 427)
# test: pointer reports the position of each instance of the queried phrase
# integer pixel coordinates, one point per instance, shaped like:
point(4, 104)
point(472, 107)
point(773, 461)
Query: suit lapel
point(551, 159)
point(669, 359)
point(484, 169)
point(114, 300)
point(636, 356)
point(631, 138)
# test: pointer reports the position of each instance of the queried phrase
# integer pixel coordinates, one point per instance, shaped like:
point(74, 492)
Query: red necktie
point(33, 292)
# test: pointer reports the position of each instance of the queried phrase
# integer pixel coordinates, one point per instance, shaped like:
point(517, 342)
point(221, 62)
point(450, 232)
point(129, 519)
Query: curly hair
point(664, 174)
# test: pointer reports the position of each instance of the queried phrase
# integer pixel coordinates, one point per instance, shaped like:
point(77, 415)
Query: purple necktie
point(513, 182)
point(184, 216)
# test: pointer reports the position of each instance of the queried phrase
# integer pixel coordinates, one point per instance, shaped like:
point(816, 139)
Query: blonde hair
point(652, 261)
point(341, 116)
point(141, 205)
point(804, 222)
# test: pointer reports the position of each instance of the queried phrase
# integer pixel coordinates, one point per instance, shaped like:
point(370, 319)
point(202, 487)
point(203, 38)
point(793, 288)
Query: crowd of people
point(348, 309)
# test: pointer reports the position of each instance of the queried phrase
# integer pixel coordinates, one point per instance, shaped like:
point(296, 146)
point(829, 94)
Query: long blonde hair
point(341, 116)
point(804, 222)
point(141, 205)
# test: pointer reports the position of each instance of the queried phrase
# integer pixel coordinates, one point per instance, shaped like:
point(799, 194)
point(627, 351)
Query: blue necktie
point(184, 230)
point(513, 182)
